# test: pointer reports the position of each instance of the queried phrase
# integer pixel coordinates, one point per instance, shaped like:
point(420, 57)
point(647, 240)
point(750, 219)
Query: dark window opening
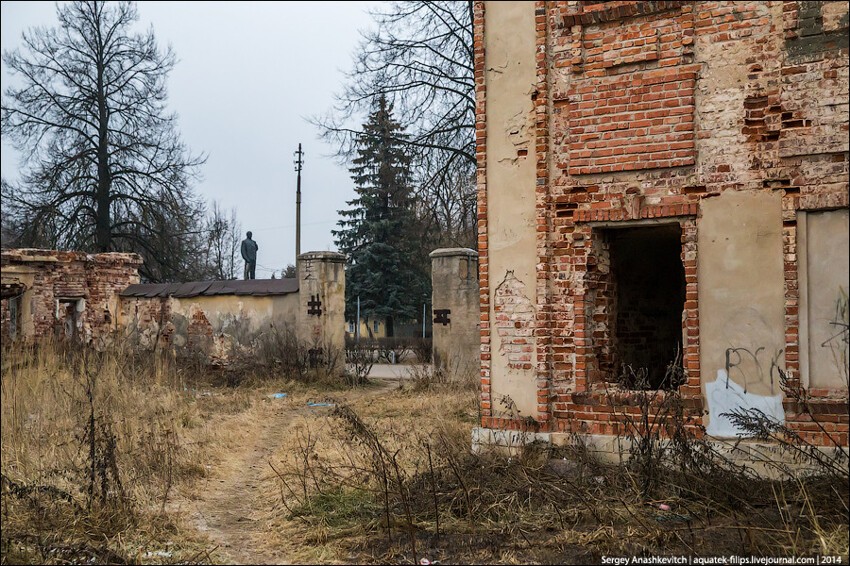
point(14, 317)
point(649, 278)
point(67, 319)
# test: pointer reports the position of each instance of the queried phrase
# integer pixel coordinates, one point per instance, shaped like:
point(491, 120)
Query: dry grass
point(392, 479)
point(94, 447)
point(384, 474)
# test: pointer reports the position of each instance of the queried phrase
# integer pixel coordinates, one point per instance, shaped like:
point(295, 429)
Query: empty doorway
point(649, 279)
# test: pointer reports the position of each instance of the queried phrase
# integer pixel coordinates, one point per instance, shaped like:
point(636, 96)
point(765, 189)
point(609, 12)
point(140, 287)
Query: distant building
point(368, 329)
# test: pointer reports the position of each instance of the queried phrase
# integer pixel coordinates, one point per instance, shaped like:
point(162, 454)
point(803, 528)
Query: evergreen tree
point(380, 232)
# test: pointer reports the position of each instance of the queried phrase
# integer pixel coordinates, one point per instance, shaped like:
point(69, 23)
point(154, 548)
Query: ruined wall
point(508, 274)
point(456, 312)
point(67, 294)
point(214, 325)
point(729, 119)
point(216, 318)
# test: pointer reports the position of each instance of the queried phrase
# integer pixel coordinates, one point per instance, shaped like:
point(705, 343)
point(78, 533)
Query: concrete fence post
point(320, 322)
point(455, 310)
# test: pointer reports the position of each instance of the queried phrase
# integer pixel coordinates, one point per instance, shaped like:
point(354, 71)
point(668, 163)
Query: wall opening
point(68, 313)
point(14, 316)
point(649, 282)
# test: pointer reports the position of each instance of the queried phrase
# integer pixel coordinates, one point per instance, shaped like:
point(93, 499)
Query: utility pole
point(357, 332)
point(299, 162)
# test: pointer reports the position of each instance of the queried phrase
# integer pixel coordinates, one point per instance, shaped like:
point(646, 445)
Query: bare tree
point(103, 168)
point(223, 236)
point(421, 59)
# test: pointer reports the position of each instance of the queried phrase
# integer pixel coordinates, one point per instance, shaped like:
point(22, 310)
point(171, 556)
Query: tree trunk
point(103, 230)
point(104, 182)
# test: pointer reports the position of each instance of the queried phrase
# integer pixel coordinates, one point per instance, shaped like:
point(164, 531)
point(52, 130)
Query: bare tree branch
point(420, 58)
point(103, 165)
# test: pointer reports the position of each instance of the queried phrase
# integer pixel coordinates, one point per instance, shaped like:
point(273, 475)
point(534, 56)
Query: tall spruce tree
point(380, 232)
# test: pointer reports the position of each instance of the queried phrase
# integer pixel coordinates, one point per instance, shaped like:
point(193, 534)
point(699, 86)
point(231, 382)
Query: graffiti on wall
point(726, 397)
point(838, 342)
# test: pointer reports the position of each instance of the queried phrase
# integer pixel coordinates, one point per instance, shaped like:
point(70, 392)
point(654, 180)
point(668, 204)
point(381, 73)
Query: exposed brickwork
point(481, 176)
point(514, 322)
point(148, 321)
point(90, 283)
point(631, 100)
point(542, 100)
point(642, 110)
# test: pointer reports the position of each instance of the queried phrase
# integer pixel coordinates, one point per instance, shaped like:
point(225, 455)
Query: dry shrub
point(275, 352)
point(760, 504)
point(358, 363)
point(419, 490)
point(396, 480)
point(92, 445)
point(452, 371)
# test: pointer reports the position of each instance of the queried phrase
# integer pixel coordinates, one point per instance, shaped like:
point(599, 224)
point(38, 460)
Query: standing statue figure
point(249, 254)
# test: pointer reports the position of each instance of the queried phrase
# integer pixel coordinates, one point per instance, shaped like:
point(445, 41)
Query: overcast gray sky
point(248, 74)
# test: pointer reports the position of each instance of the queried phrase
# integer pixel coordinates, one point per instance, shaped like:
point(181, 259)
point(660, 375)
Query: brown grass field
point(121, 457)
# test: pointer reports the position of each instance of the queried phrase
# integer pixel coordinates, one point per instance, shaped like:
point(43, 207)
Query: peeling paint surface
point(725, 396)
point(514, 322)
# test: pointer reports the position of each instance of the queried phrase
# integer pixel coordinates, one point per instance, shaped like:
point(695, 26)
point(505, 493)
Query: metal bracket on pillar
point(315, 306)
point(441, 316)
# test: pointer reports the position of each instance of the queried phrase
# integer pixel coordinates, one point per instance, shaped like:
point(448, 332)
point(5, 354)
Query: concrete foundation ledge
point(767, 459)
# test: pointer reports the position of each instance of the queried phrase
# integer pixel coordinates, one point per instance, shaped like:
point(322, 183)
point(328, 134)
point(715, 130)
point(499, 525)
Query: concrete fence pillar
point(320, 322)
point(455, 310)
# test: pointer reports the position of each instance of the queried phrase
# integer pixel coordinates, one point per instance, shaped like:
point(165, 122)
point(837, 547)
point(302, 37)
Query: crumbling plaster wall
point(214, 324)
point(510, 210)
point(665, 112)
point(91, 282)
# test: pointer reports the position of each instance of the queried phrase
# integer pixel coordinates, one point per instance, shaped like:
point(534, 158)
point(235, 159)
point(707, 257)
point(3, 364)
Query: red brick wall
point(643, 109)
point(97, 278)
point(481, 178)
point(631, 96)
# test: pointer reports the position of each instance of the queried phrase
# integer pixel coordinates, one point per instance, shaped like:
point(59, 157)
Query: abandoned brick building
point(63, 294)
point(662, 183)
point(91, 298)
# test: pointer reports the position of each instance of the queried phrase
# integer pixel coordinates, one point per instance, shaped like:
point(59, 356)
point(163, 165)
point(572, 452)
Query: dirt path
point(227, 510)
point(230, 504)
